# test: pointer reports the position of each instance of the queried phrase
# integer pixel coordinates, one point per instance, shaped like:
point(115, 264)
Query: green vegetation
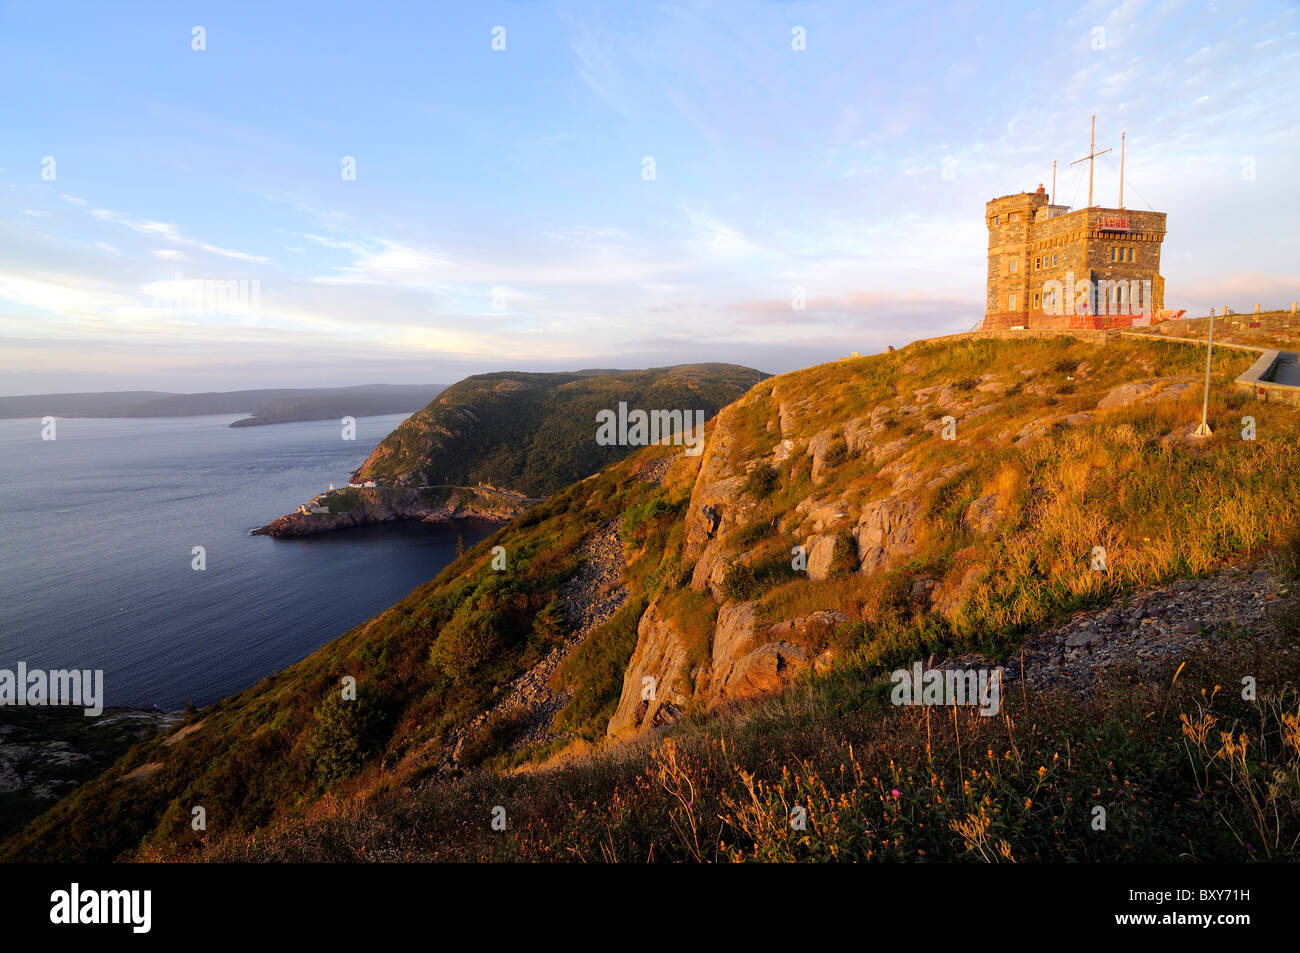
point(54, 749)
point(596, 667)
point(535, 433)
point(762, 481)
point(343, 501)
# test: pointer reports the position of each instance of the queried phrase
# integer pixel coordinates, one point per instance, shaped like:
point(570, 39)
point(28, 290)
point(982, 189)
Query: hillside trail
point(590, 598)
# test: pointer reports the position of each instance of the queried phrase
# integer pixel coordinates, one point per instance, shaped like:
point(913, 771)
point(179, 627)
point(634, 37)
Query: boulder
point(1149, 391)
point(857, 434)
point(821, 554)
point(922, 590)
point(765, 671)
point(982, 515)
point(733, 639)
point(954, 592)
point(649, 696)
point(886, 529)
point(817, 448)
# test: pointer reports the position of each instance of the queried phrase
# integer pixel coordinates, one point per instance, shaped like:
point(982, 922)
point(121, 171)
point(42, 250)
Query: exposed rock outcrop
point(650, 696)
point(370, 505)
point(1147, 391)
point(886, 529)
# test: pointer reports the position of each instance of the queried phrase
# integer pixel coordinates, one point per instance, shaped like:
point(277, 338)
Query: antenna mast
point(1121, 168)
point(1092, 154)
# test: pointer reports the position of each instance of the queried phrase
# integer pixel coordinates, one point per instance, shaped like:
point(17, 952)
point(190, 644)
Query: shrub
point(844, 557)
point(753, 532)
point(467, 642)
point(762, 481)
point(837, 452)
point(739, 583)
point(346, 732)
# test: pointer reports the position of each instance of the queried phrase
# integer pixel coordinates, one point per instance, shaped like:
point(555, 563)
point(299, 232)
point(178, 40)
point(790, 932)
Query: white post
point(1204, 429)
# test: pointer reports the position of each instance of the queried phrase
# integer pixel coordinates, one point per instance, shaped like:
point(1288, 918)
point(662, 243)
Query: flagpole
point(1204, 429)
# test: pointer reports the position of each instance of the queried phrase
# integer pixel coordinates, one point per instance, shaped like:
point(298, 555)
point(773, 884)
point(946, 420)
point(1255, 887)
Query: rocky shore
point(362, 506)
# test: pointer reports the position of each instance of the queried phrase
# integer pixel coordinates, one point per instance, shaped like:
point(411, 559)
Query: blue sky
point(500, 218)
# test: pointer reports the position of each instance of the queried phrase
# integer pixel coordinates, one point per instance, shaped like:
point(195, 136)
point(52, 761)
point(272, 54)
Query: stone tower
point(1050, 267)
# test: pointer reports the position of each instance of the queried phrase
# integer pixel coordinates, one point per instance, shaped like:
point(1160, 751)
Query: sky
point(415, 192)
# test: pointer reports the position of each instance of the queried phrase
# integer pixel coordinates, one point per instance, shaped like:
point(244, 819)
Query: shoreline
point(351, 507)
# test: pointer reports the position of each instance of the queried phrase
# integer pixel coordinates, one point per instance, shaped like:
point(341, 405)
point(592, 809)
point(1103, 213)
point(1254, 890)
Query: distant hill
point(535, 433)
point(267, 406)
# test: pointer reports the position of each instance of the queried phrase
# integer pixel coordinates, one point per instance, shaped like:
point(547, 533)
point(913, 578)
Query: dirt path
point(590, 598)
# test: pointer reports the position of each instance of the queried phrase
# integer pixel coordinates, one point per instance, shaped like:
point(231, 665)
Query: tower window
point(1011, 302)
point(1013, 266)
point(995, 221)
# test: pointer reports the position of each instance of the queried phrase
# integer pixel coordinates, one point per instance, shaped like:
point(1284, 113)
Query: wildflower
point(896, 793)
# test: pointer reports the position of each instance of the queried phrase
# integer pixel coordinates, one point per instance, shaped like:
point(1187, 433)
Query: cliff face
point(367, 505)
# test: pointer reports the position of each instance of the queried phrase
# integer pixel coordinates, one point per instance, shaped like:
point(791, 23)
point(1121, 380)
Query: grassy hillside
point(534, 432)
point(1055, 452)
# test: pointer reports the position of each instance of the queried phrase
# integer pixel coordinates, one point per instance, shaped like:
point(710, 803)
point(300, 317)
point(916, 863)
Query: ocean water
point(97, 529)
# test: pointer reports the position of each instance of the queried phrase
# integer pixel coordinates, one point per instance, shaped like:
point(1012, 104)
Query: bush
point(844, 557)
point(471, 639)
point(836, 453)
point(346, 732)
point(753, 532)
point(762, 481)
point(739, 583)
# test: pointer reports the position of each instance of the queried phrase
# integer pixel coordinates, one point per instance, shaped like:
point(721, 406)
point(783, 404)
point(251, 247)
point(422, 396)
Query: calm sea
point(97, 528)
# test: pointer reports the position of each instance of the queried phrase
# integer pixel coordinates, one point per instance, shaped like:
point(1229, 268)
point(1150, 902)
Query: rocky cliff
point(362, 506)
